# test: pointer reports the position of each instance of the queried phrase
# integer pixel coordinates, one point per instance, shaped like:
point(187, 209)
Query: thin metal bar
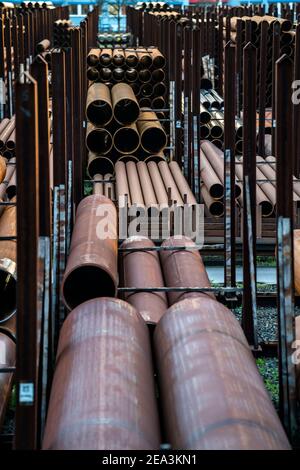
point(219, 290)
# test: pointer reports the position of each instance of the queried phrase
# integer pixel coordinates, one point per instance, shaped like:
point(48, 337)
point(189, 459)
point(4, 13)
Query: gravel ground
point(268, 367)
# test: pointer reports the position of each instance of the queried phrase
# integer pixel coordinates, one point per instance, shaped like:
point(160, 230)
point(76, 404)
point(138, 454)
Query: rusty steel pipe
point(7, 359)
point(10, 168)
point(216, 159)
point(296, 182)
point(155, 158)
point(146, 185)
point(213, 397)
point(6, 132)
point(98, 104)
point(169, 183)
point(97, 186)
point(153, 136)
point(91, 269)
point(146, 90)
point(159, 89)
point(145, 59)
point(183, 186)
point(210, 178)
point(43, 46)
point(118, 57)
point(183, 269)
point(239, 146)
point(128, 158)
point(103, 394)
point(92, 74)
point(105, 57)
point(11, 141)
point(142, 269)
point(122, 186)
point(297, 328)
point(125, 106)
point(131, 59)
point(158, 75)
point(11, 189)
point(297, 260)
point(98, 140)
point(97, 164)
point(93, 57)
point(8, 266)
point(218, 143)
point(2, 168)
point(118, 74)
point(158, 60)
point(145, 102)
point(158, 184)
point(105, 74)
point(131, 75)
point(126, 139)
point(136, 195)
point(215, 207)
point(158, 103)
point(144, 76)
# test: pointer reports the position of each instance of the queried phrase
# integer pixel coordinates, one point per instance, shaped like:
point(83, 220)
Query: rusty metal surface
point(142, 269)
point(125, 106)
point(98, 104)
point(213, 396)
point(91, 269)
point(106, 399)
point(7, 359)
point(8, 258)
point(183, 268)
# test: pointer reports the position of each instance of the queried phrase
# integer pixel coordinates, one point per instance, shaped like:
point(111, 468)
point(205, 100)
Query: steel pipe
point(97, 186)
point(158, 184)
point(145, 59)
point(213, 397)
point(122, 186)
point(142, 269)
point(183, 268)
point(92, 74)
point(158, 75)
point(105, 74)
point(158, 60)
point(105, 57)
point(118, 57)
point(98, 140)
point(126, 139)
point(11, 189)
point(98, 104)
point(8, 266)
point(109, 187)
point(6, 132)
point(170, 184)
point(183, 186)
point(98, 164)
point(131, 75)
point(103, 394)
point(144, 76)
point(131, 59)
point(125, 106)
point(43, 46)
point(118, 74)
point(91, 269)
point(214, 206)
point(146, 185)
point(158, 103)
point(93, 57)
point(2, 168)
point(136, 194)
point(7, 359)
point(128, 158)
point(153, 136)
point(210, 178)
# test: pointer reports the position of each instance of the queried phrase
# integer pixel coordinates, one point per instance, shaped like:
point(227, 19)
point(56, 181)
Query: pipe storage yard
point(136, 169)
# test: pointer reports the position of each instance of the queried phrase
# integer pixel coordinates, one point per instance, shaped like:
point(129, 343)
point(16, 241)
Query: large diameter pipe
point(158, 60)
point(97, 164)
point(98, 104)
point(103, 394)
point(213, 397)
point(153, 137)
point(183, 268)
point(105, 57)
point(98, 140)
point(136, 194)
point(126, 139)
point(91, 269)
point(125, 106)
point(131, 59)
point(216, 159)
point(7, 359)
point(2, 168)
point(118, 57)
point(145, 59)
point(122, 186)
point(142, 269)
point(10, 168)
point(183, 186)
point(93, 57)
point(8, 259)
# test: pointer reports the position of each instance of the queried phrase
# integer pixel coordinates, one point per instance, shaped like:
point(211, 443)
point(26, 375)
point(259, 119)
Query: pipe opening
point(206, 84)
point(216, 131)
point(126, 140)
point(158, 75)
point(237, 191)
point(146, 89)
point(99, 112)
point(266, 208)
point(158, 103)
point(105, 74)
point(131, 75)
point(101, 166)
point(126, 111)
point(99, 141)
point(132, 60)
point(85, 283)
point(159, 61)
point(159, 89)
point(145, 75)
point(118, 74)
point(146, 61)
point(204, 132)
point(154, 140)
point(218, 143)
point(8, 287)
point(216, 191)
point(145, 102)
point(105, 59)
point(216, 209)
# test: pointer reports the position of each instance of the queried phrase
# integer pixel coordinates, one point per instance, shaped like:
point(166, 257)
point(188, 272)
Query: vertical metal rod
point(296, 107)
point(229, 165)
point(27, 266)
point(276, 52)
point(264, 26)
point(249, 170)
point(285, 296)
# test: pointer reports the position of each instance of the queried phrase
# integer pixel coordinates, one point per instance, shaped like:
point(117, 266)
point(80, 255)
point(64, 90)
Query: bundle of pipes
point(110, 40)
point(199, 403)
point(7, 179)
point(141, 68)
point(116, 127)
point(152, 184)
point(212, 174)
point(104, 375)
point(91, 269)
point(152, 6)
point(61, 33)
point(287, 43)
point(8, 138)
point(43, 46)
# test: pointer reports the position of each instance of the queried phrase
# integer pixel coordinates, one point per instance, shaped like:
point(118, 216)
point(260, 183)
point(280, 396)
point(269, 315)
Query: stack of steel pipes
point(141, 68)
point(104, 370)
point(110, 40)
point(152, 184)
point(287, 42)
point(152, 6)
point(61, 33)
point(212, 175)
point(8, 138)
point(117, 129)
